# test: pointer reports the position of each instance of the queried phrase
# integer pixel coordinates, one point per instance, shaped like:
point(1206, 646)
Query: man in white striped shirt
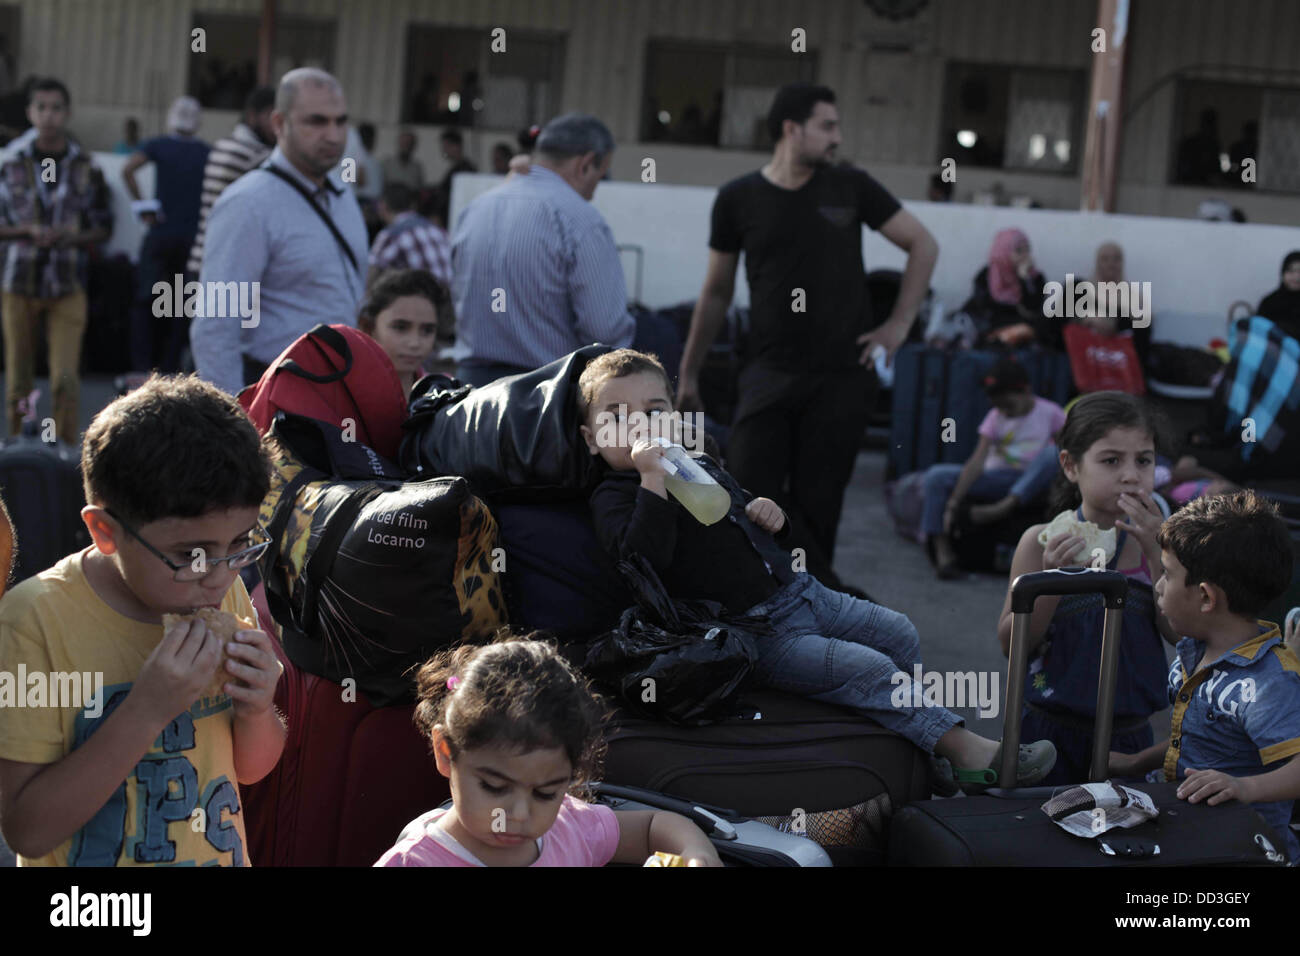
point(248, 144)
point(535, 271)
point(408, 240)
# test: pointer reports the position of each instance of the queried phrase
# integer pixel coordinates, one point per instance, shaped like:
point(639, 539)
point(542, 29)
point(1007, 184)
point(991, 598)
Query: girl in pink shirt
point(516, 730)
point(1013, 464)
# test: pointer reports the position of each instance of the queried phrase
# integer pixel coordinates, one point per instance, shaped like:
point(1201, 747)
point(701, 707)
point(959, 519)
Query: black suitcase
point(990, 547)
point(920, 395)
point(110, 292)
point(41, 485)
point(1008, 827)
point(801, 764)
point(719, 388)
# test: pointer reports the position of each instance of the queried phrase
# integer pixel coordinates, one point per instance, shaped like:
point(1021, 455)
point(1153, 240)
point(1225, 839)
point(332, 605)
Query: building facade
point(998, 86)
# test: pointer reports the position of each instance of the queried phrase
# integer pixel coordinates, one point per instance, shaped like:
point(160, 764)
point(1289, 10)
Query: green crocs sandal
point(1036, 762)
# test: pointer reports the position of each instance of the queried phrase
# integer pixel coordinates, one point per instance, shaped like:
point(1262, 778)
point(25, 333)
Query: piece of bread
point(1093, 537)
point(223, 625)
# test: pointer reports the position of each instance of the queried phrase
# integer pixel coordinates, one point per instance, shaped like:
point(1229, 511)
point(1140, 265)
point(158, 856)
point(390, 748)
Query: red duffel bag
point(336, 374)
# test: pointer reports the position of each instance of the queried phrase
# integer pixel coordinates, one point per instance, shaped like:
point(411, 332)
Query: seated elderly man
point(535, 270)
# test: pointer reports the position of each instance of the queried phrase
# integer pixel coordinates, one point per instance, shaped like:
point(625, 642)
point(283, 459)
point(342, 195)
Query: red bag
point(1103, 363)
point(332, 373)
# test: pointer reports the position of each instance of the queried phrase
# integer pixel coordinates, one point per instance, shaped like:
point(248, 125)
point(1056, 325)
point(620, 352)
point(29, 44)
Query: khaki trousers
point(65, 319)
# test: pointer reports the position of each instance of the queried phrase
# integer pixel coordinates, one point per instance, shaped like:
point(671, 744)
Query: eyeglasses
point(202, 566)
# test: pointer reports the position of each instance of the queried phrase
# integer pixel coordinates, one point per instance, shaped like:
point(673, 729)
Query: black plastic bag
point(686, 662)
point(515, 439)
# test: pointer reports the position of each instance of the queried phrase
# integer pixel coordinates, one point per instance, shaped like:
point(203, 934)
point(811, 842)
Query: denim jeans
point(991, 485)
point(833, 647)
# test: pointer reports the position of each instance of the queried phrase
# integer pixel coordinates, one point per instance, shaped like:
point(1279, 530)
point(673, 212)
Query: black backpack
point(41, 484)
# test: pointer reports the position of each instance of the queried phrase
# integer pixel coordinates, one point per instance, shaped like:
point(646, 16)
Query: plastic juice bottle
point(706, 500)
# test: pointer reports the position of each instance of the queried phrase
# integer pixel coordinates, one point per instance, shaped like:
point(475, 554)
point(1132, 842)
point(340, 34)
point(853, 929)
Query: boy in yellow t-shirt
point(147, 771)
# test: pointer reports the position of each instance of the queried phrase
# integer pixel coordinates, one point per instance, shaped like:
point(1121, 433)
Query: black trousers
point(795, 440)
point(162, 258)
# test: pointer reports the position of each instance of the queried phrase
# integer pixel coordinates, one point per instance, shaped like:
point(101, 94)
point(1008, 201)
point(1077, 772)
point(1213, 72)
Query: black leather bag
point(515, 439)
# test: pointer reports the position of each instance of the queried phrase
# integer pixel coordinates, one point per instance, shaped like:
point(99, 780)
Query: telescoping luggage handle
point(1025, 590)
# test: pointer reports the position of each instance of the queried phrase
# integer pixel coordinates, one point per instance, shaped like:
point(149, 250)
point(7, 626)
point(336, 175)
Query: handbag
point(1103, 363)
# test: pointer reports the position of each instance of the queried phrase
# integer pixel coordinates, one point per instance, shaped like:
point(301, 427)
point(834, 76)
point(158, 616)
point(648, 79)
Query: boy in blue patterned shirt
point(1234, 686)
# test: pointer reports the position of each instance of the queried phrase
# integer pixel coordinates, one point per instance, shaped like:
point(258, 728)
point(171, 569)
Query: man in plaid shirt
point(408, 240)
point(53, 205)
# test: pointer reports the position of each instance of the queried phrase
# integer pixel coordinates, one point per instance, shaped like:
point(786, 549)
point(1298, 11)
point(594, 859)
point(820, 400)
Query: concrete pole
point(266, 43)
point(1103, 126)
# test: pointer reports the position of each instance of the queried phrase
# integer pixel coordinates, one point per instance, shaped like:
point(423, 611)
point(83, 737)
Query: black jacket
point(733, 561)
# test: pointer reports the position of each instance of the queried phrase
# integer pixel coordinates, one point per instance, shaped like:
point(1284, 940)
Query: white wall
point(1196, 269)
point(128, 232)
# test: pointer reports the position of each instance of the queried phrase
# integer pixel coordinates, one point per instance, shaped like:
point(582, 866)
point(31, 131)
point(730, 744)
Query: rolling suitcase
point(797, 764)
point(920, 395)
point(739, 841)
point(1007, 827)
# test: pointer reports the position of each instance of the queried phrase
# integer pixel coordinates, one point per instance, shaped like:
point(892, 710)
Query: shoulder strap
point(334, 230)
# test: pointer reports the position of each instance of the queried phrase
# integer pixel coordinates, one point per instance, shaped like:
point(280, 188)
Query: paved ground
point(957, 620)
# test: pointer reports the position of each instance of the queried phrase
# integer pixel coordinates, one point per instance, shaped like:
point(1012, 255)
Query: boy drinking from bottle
point(823, 644)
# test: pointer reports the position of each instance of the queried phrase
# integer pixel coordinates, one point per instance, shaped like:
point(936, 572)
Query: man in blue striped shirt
point(265, 237)
point(535, 272)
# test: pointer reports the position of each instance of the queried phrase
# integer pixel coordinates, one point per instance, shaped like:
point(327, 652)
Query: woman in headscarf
point(1007, 304)
point(1109, 267)
point(1282, 306)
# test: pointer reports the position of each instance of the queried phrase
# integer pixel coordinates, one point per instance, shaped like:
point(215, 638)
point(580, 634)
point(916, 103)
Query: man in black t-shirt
point(805, 390)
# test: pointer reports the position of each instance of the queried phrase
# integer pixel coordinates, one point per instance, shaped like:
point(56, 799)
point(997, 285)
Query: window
point(1219, 125)
point(223, 77)
point(453, 78)
point(710, 95)
point(1013, 117)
